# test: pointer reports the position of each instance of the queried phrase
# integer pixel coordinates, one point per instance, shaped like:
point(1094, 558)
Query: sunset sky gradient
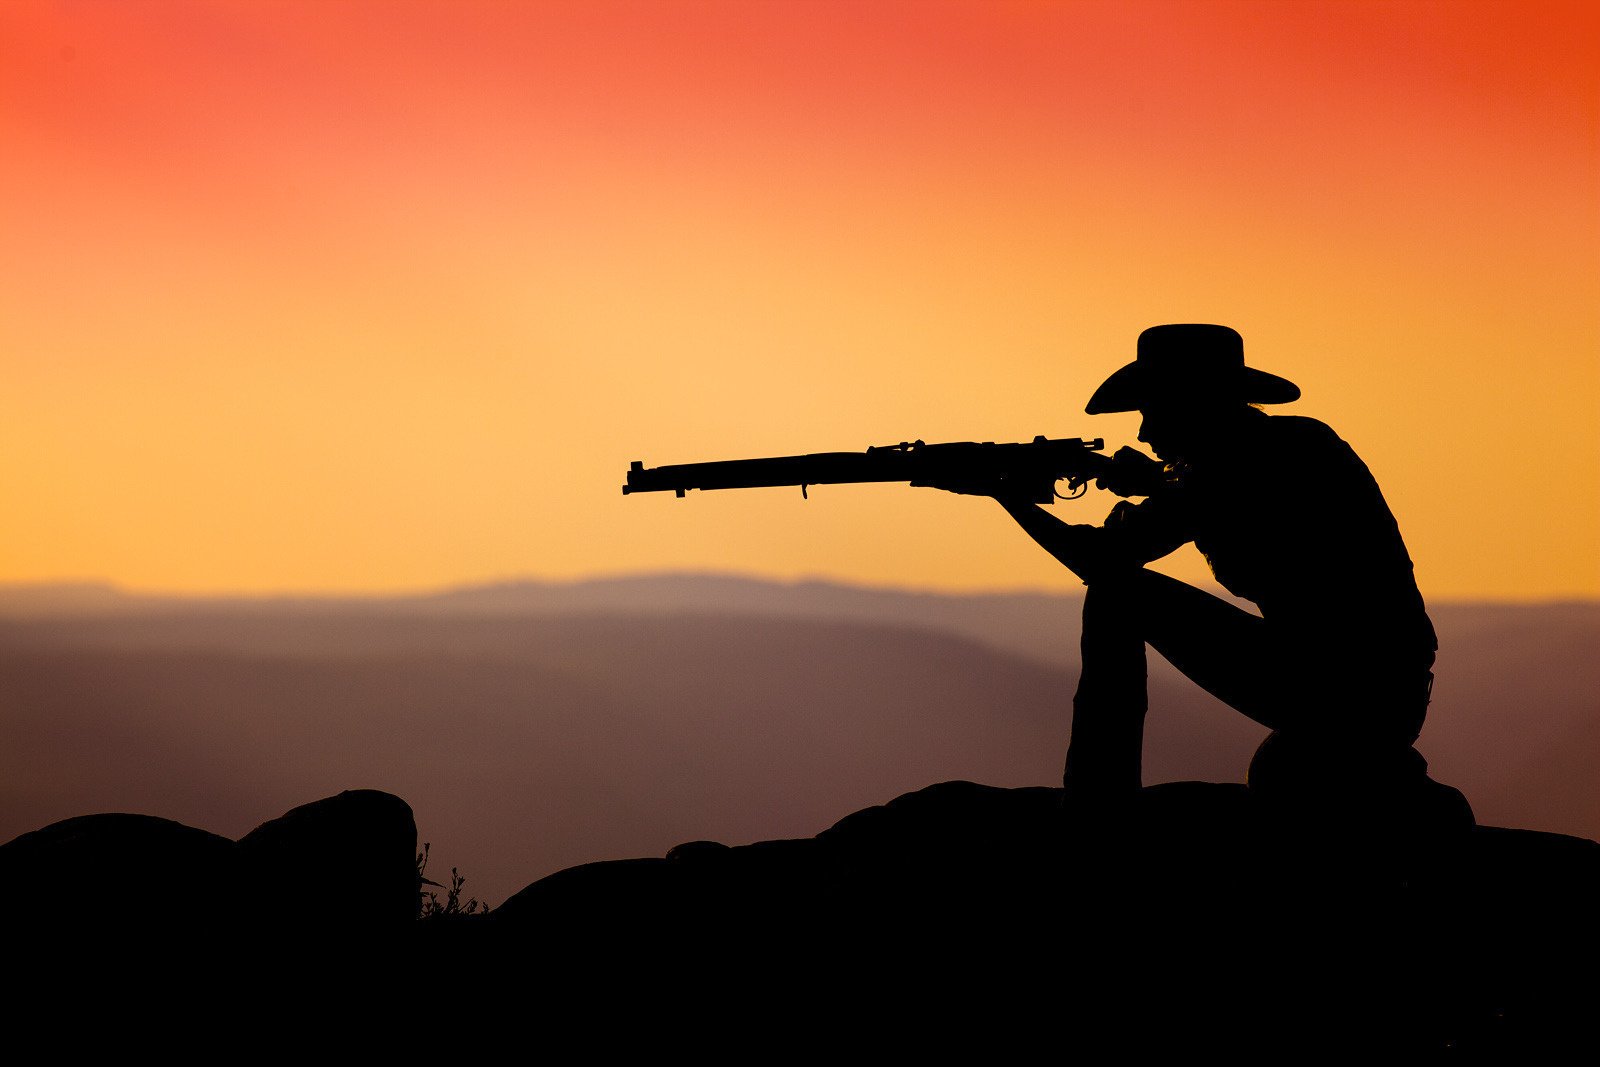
point(367, 297)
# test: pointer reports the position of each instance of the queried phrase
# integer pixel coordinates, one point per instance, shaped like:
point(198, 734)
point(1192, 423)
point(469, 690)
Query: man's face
point(1190, 428)
point(1174, 431)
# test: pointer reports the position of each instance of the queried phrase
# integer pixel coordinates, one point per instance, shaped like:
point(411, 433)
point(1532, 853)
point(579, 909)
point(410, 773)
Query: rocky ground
point(958, 915)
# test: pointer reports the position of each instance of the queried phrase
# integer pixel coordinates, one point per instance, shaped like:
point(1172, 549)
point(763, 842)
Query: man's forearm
point(1081, 549)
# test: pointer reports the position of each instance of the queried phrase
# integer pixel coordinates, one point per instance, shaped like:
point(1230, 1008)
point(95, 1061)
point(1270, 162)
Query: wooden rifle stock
point(1033, 466)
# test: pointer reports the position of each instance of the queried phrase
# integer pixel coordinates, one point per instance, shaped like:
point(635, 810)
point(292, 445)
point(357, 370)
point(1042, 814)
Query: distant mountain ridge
point(720, 592)
point(1038, 624)
point(1035, 624)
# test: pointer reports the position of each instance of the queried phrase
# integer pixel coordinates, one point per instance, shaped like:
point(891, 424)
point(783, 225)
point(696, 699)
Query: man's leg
point(1221, 647)
point(1225, 650)
point(1108, 709)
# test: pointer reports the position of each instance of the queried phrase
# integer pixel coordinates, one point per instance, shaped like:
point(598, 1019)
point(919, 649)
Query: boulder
point(349, 859)
point(116, 869)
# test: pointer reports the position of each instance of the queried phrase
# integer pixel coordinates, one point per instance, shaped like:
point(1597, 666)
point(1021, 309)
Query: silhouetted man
point(1337, 664)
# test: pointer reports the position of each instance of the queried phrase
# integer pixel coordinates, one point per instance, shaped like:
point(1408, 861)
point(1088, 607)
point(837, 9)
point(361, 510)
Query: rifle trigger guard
point(1078, 489)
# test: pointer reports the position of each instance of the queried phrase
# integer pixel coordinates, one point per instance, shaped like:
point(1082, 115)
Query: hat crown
point(1193, 349)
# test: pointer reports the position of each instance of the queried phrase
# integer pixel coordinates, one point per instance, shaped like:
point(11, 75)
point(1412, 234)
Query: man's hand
point(1132, 473)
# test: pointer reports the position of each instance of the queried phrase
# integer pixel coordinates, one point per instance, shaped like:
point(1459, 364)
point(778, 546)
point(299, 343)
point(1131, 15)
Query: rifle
point(1033, 467)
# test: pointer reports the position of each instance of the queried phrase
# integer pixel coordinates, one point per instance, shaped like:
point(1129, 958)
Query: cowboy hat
point(1189, 360)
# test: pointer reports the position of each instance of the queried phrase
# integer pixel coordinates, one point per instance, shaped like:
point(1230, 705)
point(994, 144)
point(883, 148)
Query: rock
point(349, 859)
point(130, 871)
point(1190, 920)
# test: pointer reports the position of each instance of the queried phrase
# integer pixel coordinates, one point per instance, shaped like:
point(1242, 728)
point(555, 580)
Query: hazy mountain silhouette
point(1025, 623)
point(535, 726)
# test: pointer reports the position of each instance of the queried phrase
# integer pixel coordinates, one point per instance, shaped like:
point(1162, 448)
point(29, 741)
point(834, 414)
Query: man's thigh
point(1344, 681)
point(1227, 651)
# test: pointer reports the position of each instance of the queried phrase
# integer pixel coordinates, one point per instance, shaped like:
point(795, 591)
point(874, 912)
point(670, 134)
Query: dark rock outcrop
point(347, 860)
point(958, 919)
point(350, 859)
point(1191, 921)
point(120, 870)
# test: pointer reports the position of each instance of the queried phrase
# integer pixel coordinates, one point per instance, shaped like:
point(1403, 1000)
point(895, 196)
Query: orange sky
point(315, 296)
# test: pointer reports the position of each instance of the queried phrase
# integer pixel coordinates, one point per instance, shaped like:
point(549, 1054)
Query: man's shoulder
point(1299, 432)
point(1311, 447)
point(1296, 426)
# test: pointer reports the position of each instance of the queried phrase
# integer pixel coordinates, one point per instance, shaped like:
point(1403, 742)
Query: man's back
point(1289, 517)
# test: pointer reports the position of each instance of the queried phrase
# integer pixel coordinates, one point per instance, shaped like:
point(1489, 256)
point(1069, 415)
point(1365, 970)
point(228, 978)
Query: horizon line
point(117, 589)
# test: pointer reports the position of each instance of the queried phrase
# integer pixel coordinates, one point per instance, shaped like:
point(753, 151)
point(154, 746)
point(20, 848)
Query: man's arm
point(1132, 535)
point(1079, 548)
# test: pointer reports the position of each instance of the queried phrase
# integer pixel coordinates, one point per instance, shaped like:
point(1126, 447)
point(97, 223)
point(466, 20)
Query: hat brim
point(1133, 386)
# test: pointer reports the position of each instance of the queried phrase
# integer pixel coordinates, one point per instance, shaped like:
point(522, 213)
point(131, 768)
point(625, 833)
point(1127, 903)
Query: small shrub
point(428, 904)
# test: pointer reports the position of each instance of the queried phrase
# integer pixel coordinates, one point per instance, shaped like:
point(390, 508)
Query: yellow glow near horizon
point(315, 297)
